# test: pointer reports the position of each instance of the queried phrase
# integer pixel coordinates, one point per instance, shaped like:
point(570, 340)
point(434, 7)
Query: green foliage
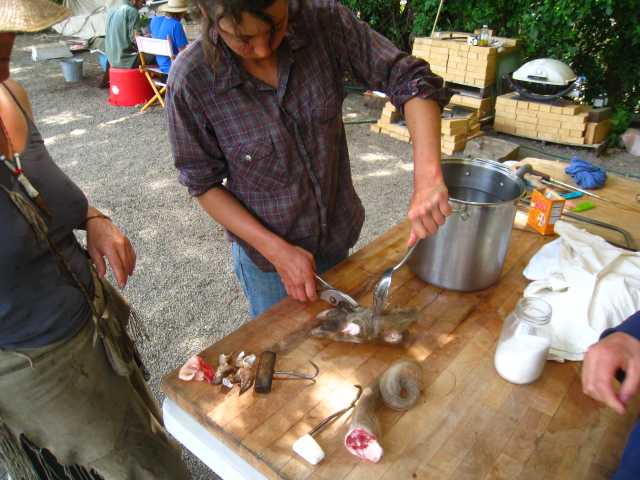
point(144, 21)
point(388, 17)
point(620, 120)
point(597, 38)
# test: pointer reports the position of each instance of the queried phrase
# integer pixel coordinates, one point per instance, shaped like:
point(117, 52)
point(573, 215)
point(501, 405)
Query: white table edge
point(212, 452)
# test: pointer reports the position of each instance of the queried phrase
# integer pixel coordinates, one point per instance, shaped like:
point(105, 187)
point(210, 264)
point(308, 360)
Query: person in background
point(73, 400)
point(617, 356)
point(122, 24)
point(155, 23)
point(254, 108)
point(170, 27)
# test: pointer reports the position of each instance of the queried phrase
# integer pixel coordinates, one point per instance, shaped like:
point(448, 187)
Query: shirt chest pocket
point(327, 107)
point(255, 166)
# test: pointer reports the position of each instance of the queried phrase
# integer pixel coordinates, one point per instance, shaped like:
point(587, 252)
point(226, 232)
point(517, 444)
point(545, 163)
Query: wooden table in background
point(470, 423)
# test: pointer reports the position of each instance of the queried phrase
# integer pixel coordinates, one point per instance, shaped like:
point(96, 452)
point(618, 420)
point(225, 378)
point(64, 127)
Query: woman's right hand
point(296, 268)
point(295, 265)
point(104, 239)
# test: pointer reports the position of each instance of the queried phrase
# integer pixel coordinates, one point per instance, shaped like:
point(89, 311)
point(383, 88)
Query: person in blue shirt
point(169, 26)
point(154, 25)
point(617, 356)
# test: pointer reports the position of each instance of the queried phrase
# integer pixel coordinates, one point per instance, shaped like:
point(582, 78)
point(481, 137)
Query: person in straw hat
point(73, 400)
point(170, 27)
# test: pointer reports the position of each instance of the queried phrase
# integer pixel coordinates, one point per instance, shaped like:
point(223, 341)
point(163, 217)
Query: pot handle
point(462, 210)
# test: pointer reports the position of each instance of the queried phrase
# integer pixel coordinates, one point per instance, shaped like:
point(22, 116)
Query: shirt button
point(247, 158)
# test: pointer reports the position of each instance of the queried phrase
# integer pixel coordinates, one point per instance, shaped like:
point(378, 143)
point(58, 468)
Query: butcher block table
point(469, 422)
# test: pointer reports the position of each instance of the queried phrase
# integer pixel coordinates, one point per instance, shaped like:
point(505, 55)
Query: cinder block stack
point(484, 106)
point(469, 70)
point(455, 131)
point(564, 122)
point(390, 124)
point(597, 132)
point(458, 62)
point(598, 125)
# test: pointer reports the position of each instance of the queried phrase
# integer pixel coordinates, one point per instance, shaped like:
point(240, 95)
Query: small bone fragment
point(249, 361)
point(244, 376)
point(228, 382)
point(222, 372)
point(223, 369)
point(239, 358)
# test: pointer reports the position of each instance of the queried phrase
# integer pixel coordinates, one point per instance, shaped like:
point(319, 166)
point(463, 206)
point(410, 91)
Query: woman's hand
point(601, 362)
point(104, 239)
point(428, 210)
point(296, 268)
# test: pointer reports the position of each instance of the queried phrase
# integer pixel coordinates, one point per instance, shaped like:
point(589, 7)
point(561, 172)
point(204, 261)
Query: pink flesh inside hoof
point(196, 369)
point(352, 329)
point(363, 444)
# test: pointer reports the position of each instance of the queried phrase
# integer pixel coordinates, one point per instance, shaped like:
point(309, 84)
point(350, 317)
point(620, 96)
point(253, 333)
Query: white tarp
point(88, 20)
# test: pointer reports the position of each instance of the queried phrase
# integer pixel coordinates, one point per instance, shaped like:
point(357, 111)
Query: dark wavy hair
point(211, 11)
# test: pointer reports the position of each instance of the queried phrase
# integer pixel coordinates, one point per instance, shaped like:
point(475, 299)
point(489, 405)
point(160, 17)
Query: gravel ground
point(184, 285)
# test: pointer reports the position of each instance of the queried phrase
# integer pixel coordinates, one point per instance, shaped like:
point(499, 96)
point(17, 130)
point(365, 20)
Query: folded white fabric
point(590, 284)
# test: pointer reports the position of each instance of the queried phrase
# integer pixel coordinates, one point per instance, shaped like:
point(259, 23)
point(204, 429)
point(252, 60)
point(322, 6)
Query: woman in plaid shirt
point(255, 122)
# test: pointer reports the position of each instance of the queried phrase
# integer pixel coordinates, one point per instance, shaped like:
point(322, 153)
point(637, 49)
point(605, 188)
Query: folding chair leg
point(154, 99)
point(161, 97)
point(150, 102)
point(158, 93)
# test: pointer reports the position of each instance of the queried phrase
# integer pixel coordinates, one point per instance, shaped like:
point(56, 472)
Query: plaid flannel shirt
point(283, 152)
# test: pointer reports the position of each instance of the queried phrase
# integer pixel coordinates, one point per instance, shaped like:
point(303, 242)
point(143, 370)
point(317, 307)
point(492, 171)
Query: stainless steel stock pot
point(468, 251)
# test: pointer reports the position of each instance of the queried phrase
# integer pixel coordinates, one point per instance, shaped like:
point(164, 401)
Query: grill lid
point(546, 71)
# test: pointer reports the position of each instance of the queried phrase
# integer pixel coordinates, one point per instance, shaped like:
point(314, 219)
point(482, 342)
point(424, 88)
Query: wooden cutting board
point(469, 423)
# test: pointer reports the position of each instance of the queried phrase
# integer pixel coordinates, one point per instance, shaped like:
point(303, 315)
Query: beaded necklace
point(14, 165)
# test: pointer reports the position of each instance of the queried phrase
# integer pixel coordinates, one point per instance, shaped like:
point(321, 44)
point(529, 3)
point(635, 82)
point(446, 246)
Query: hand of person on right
point(296, 268)
point(601, 362)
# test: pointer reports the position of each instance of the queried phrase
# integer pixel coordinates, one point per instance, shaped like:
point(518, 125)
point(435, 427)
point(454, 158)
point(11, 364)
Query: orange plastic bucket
point(128, 87)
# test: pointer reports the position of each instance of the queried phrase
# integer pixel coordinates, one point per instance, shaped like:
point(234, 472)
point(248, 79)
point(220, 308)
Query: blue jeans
point(264, 289)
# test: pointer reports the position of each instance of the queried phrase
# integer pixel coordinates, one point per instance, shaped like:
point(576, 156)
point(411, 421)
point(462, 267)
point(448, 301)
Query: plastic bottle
point(485, 37)
point(524, 343)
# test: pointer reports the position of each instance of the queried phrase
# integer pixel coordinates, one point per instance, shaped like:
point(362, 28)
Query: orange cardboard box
point(544, 213)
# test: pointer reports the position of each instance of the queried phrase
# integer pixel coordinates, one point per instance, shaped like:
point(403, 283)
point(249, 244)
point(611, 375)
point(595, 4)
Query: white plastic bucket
point(72, 69)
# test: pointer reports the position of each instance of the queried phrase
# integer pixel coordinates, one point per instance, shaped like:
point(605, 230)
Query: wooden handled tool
point(266, 373)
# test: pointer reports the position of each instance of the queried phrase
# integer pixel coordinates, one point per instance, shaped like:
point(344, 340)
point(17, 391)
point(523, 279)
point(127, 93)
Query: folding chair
point(157, 79)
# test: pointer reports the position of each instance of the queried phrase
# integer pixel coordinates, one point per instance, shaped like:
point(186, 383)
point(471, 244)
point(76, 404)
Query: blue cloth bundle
point(586, 174)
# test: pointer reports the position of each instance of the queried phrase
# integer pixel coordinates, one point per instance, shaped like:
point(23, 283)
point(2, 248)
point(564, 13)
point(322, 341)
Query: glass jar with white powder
point(524, 342)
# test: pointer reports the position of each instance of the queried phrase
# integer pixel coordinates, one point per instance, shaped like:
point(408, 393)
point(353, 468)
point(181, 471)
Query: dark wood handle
point(264, 373)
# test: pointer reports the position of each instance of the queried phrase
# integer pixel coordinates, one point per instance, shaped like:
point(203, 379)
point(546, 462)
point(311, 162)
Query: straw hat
point(30, 15)
point(174, 6)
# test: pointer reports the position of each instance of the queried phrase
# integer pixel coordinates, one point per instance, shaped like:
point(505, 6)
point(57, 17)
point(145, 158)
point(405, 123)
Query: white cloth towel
point(590, 285)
